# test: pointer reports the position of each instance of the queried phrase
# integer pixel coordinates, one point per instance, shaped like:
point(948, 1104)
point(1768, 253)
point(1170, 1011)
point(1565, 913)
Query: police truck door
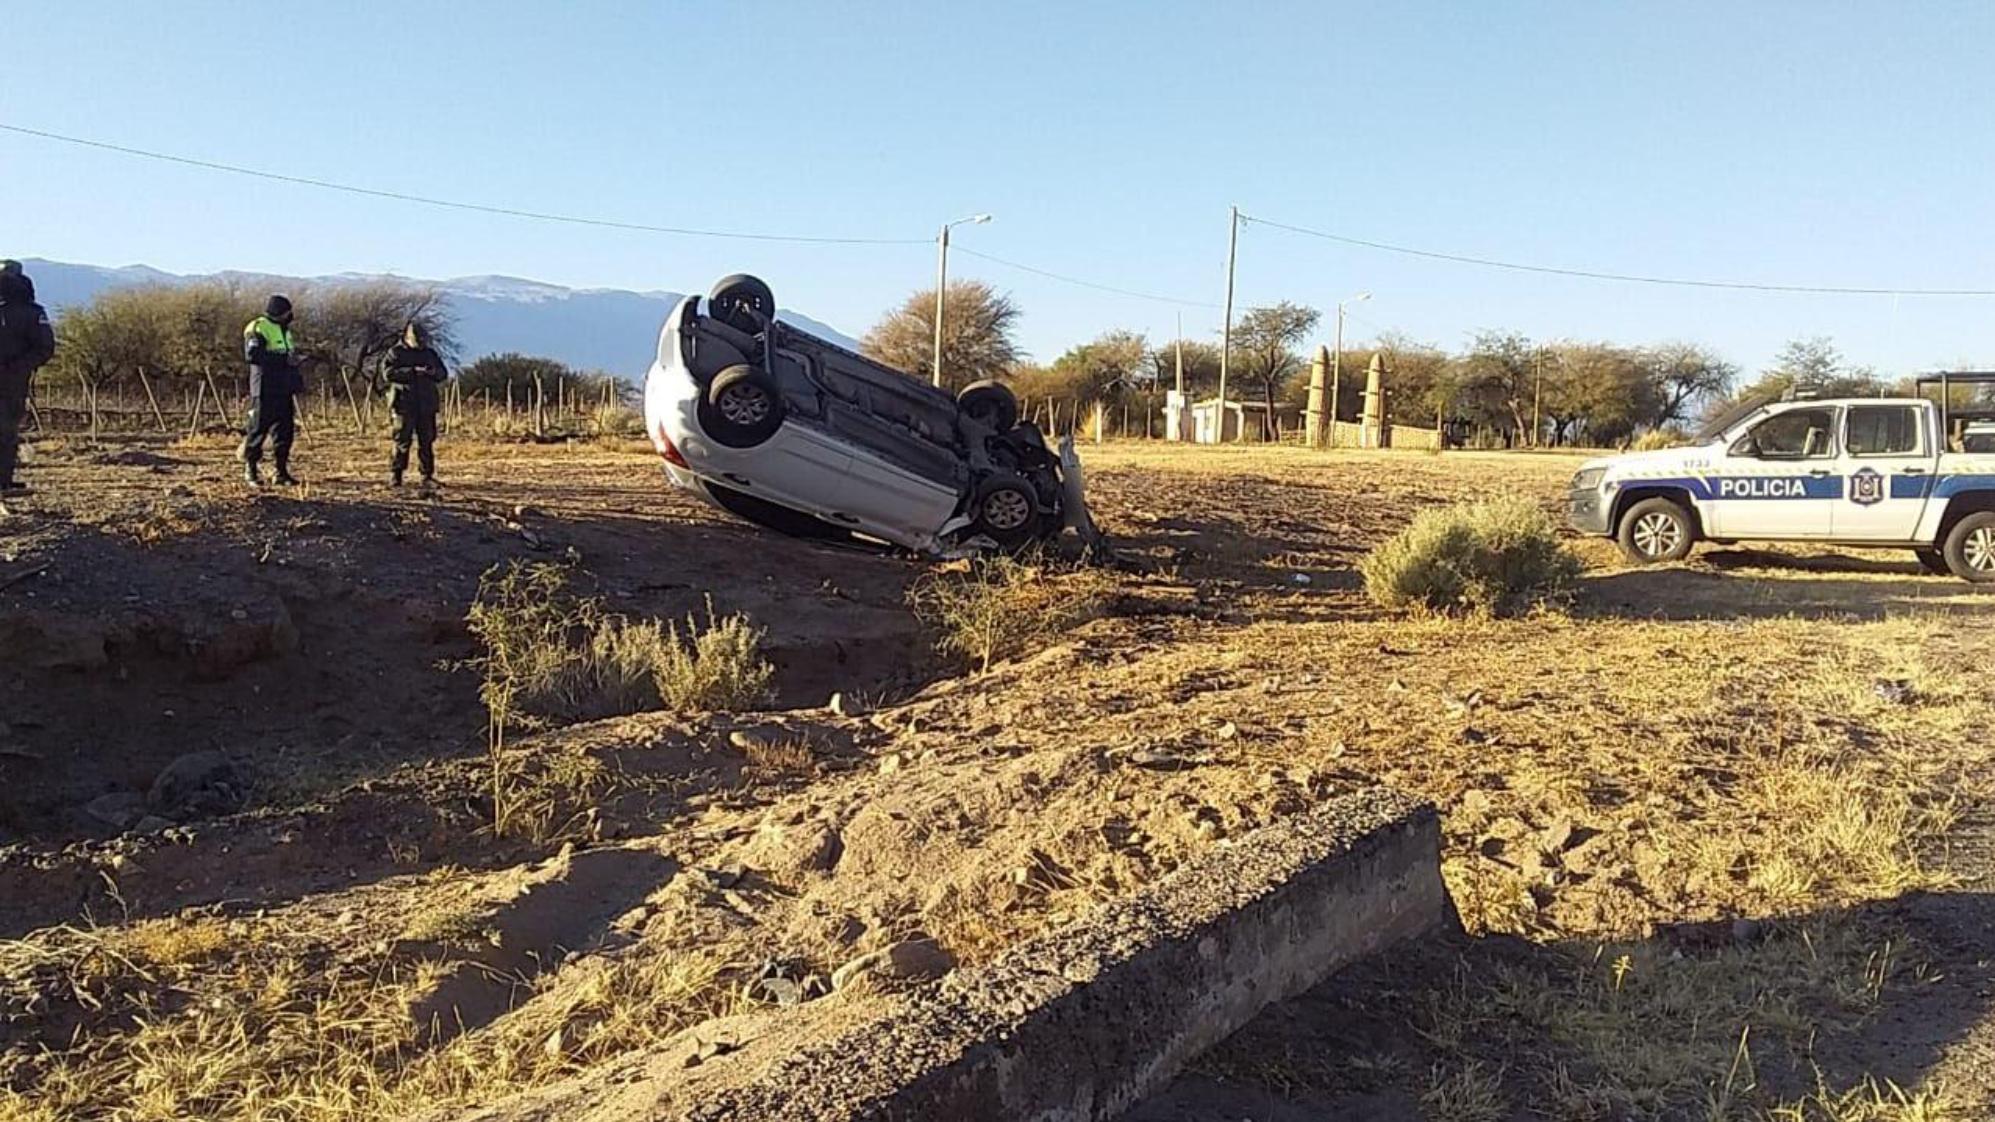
point(1778, 479)
point(1886, 464)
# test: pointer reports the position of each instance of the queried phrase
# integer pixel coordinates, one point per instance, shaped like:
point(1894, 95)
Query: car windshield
point(1731, 415)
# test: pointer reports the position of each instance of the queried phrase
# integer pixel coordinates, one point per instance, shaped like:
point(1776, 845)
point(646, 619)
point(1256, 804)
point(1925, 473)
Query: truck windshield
point(1731, 415)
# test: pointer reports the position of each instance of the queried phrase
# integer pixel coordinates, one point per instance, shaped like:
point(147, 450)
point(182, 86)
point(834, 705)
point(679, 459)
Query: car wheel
point(742, 407)
point(1654, 531)
point(1970, 547)
point(1933, 561)
point(991, 403)
point(742, 302)
point(1006, 510)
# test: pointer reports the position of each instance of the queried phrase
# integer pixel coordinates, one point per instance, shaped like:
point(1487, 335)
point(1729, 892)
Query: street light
point(1337, 360)
point(942, 281)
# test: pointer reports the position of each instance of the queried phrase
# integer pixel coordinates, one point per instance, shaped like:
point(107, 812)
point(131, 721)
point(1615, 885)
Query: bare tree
point(977, 339)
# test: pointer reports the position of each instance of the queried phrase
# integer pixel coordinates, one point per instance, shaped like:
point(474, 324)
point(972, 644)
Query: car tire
point(991, 403)
point(742, 407)
point(742, 302)
point(1655, 531)
point(1933, 561)
point(1006, 510)
point(1970, 547)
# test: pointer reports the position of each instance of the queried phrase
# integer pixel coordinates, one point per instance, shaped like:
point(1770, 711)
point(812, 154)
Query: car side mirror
point(1745, 446)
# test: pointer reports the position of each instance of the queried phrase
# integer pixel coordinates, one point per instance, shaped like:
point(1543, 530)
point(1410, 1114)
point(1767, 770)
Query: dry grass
point(551, 657)
point(262, 1041)
point(999, 608)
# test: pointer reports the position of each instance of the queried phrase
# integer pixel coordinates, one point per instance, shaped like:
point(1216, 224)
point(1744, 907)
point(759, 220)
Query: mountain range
point(607, 329)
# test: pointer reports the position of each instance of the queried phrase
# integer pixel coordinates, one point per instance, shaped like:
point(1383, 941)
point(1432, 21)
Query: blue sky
point(1814, 143)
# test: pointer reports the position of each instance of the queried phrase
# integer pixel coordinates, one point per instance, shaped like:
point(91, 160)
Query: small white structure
point(1200, 421)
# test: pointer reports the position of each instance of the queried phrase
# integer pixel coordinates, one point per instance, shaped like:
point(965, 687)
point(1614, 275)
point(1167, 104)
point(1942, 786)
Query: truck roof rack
point(1946, 380)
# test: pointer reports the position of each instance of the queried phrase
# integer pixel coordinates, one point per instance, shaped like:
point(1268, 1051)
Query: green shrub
point(1485, 558)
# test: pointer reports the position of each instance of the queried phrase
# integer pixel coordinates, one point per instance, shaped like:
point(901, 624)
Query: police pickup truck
point(1906, 473)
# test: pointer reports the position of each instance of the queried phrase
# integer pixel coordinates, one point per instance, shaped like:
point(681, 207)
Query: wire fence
point(212, 403)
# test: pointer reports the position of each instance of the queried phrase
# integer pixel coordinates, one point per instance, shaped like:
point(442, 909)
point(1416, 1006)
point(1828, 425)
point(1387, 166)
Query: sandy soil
point(1756, 760)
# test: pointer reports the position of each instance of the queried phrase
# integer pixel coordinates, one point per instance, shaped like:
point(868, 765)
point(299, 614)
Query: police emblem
point(1866, 487)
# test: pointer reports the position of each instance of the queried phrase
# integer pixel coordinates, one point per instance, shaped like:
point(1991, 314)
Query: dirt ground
point(1719, 833)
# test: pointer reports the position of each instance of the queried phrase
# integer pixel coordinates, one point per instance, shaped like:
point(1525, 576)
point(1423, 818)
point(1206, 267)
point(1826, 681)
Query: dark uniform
point(413, 371)
point(26, 344)
point(273, 380)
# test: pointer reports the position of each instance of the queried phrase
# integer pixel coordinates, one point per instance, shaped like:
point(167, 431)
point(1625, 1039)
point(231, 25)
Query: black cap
point(10, 268)
point(278, 308)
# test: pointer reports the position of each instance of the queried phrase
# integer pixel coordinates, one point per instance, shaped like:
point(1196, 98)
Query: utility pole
point(941, 286)
point(1337, 360)
point(1226, 332)
point(1180, 346)
point(1537, 392)
point(942, 282)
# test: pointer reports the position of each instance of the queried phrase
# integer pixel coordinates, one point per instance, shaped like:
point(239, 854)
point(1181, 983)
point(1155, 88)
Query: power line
point(1083, 283)
point(1589, 274)
point(479, 208)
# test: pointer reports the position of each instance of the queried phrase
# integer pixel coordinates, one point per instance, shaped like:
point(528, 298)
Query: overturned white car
point(796, 433)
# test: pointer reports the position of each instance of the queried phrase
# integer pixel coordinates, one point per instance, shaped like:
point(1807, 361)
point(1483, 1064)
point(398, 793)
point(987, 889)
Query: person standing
point(413, 371)
point(27, 342)
point(273, 380)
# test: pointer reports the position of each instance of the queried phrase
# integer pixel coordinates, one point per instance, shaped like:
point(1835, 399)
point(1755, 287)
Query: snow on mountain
point(590, 328)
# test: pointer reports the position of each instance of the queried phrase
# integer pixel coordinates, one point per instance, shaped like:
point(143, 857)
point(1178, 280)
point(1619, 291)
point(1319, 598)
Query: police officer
point(273, 379)
point(413, 372)
point(26, 344)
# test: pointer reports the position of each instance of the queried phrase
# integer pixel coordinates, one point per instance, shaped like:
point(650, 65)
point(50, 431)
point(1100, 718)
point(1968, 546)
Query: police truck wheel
point(742, 407)
point(738, 300)
point(1006, 510)
point(1970, 547)
point(992, 403)
point(1933, 561)
point(1654, 531)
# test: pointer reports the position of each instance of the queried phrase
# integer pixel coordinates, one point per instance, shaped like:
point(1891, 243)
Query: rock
point(747, 741)
point(118, 810)
point(845, 706)
point(1894, 691)
point(1557, 836)
point(1227, 731)
point(789, 851)
point(917, 959)
point(152, 824)
point(1474, 803)
point(779, 991)
point(198, 784)
point(891, 763)
point(726, 876)
point(908, 960)
point(1747, 930)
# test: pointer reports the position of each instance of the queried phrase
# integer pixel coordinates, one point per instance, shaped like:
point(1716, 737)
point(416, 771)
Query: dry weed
point(1001, 607)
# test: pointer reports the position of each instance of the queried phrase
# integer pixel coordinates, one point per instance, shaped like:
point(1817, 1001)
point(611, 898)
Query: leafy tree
point(1597, 392)
point(1684, 376)
point(1201, 360)
point(1497, 377)
point(977, 338)
point(1816, 366)
point(1106, 367)
point(1264, 342)
point(515, 375)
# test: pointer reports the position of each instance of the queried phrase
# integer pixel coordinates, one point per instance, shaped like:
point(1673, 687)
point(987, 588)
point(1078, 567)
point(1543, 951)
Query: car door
point(1778, 479)
point(1886, 465)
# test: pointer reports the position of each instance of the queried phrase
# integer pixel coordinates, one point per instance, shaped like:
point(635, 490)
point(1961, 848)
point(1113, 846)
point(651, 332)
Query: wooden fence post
point(156, 413)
